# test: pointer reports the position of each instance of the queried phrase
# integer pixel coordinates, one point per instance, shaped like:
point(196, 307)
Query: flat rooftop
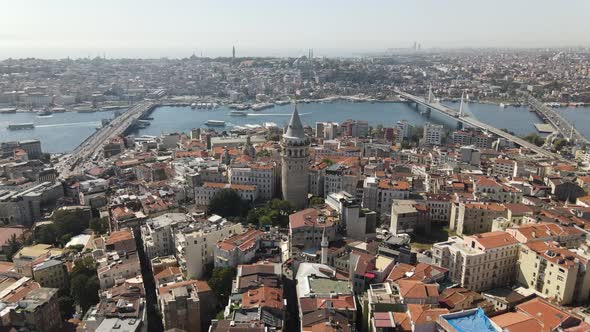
point(329, 286)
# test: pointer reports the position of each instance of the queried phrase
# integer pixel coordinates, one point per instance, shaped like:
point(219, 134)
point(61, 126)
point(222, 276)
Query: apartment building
point(559, 274)
point(237, 249)
point(51, 273)
point(476, 217)
point(261, 175)
point(478, 262)
point(505, 167)
point(566, 236)
point(194, 245)
point(360, 222)
point(306, 227)
point(378, 194)
point(205, 193)
point(339, 177)
point(157, 234)
point(432, 134)
point(181, 304)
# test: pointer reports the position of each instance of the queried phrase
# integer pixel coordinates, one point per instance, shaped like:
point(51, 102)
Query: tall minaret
point(295, 161)
point(233, 52)
point(324, 245)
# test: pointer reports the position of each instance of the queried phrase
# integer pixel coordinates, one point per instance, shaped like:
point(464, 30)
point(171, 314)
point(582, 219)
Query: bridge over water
point(469, 121)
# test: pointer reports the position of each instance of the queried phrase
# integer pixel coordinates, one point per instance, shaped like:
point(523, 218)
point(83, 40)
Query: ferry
point(193, 105)
point(84, 109)
point(58, 110)
point(239, 107)
point(261, 106)
point(215, 123)
point(238, 113)
point(45, 112)
point(282, 102)
point(143, 124)
point(20, 126)
point(7, 110)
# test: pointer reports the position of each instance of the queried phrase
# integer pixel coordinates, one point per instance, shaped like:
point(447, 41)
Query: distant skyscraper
point(295, 163)
point(233, 52)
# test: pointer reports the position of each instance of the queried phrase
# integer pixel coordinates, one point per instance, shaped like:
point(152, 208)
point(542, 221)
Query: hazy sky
point(153, 28)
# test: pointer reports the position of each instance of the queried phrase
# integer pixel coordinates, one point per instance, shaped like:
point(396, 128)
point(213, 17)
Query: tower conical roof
point(295, 128)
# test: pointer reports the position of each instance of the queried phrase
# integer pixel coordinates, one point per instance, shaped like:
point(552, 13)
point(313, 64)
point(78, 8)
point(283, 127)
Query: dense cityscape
point(325, 226)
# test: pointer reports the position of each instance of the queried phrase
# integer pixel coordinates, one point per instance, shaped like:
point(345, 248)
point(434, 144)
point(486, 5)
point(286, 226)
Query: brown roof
point(200, 286)
point(421, 272)
point(417, 289)
point(519, 208)
point(420, 314)
point(544, 230)
point(402, 320)
point(168, 272)
point(308, 218)
point(554, 253)
point(492, 240)
point(6, 233)
point(340, 302)
point(117, 237)
point(517, 322)
point(267, 297)
point(548, 315)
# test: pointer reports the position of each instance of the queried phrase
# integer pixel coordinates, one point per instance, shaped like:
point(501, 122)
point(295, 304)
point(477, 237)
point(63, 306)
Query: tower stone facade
point(295, 163)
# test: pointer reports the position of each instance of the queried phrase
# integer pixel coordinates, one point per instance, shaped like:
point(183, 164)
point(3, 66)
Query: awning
point(370, 275)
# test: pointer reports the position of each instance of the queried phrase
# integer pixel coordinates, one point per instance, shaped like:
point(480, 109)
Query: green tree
point(221, 282)
point(66, 306)
point(569, 191)
point(274, 213)
point(70, 222)
point(559, 144)
point(535, 139)
point(316, 201)
point(84, 284)
point(263, 154)
point(228, 203)
point(13, 246)
point(328, 161)
point(46, 234)
point(99, 225)
point(66, 223)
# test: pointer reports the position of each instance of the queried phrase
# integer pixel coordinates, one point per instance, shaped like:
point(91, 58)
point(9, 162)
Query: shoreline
point(176, 101)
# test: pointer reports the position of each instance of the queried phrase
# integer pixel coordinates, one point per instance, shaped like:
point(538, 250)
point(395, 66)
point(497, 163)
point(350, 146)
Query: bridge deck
point(478, 124)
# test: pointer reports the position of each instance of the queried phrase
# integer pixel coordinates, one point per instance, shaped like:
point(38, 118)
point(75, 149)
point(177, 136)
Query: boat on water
point(502, 105)
point(45, 112)
point(261, 106)
point(238, 113)
point(21, 126)
point(85, 110)
point(58, 110)
point(193, 105)
point(143, 124)
point(282, 102)
point(9, 110)
point(215, 123)
point(239, 107)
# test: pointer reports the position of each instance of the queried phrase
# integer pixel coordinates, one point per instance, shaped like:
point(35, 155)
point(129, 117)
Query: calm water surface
point(61, 132)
